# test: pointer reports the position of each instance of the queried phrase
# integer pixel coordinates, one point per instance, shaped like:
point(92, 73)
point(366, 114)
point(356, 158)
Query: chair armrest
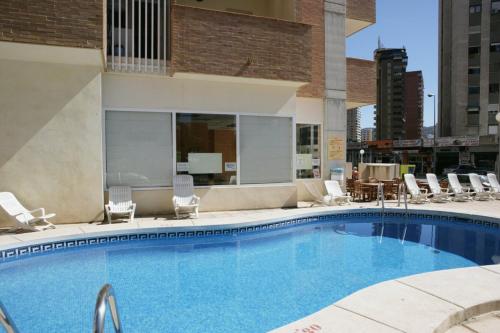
point(423, 190)
point(196, 199)
point(41, 210)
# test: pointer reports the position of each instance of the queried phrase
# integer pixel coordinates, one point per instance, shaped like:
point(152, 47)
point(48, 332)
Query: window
point(265, 150)
point(474, 70)
point(138, 149)
point(495, 7)
point(308, 159)
point(495, 47)
point(473, 50)
point(493, 88)
point(206, 148)
point(493, 130)
point(474, 9)
point(473, 90)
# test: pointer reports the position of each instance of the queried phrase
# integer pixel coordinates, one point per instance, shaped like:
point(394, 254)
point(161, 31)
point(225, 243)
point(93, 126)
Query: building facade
point(414, 104)
point(469, 62)
point(368, 134)
point(353, 125)
point(390, 122)
point(249, 97)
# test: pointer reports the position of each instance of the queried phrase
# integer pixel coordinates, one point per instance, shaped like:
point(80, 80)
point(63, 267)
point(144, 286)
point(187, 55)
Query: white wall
point(155, 92)
point(50, 138)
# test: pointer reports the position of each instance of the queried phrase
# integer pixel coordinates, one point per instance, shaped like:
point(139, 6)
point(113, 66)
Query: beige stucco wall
point(197, 95)
point(218, 198)
point(50, 138)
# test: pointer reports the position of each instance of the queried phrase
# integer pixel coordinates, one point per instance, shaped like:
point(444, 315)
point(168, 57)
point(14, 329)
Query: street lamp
point(362, 152)
point(434, 140)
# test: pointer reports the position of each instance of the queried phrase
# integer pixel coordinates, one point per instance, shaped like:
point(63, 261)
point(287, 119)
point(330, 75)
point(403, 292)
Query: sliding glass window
point(206, 148)
point(266, 150)
point(138, 149)
point(308, 161)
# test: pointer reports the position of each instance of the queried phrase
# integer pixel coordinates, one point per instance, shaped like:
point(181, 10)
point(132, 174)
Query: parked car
point(463, 172)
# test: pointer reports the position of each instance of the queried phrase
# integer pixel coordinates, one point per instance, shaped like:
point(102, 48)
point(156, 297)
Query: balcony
point(359, 15)
point(361, 83)
point(236, 44)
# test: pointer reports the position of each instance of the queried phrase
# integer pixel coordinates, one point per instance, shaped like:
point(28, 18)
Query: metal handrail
point(106, 296)
point(6, 321)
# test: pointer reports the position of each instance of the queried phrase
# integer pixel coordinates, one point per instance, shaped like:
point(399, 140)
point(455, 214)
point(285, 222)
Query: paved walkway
point(487, 323)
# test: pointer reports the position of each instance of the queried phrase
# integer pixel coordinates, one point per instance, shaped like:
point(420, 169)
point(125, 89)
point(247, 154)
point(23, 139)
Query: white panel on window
point(265, 150)
point(138, 149)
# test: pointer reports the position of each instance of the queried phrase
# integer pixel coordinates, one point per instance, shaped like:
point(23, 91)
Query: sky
point(409, 23)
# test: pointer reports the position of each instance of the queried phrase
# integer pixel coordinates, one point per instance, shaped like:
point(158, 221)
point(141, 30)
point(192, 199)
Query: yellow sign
point(336, 150)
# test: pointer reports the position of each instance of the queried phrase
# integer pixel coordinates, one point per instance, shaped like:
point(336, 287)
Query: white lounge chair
point(439, 194)
point(120, 203)
point(319, 198)
point(417, 194)
point(477, 186)
point(494, 186)
point(184, 199)
point(23, 218)
point(336, 194)
point(459, 193)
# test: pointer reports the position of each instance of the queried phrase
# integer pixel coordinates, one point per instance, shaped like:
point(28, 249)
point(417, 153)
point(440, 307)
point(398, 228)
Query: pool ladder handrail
point(106, 296)
point(6, 321)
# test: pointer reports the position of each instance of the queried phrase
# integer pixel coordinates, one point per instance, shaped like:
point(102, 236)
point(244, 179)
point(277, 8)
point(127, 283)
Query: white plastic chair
point(336, 194)
point(184, 199)
point(439, 194)
point(417, 194)
point(494, 186)
point(23, 218)
point(477, 186)
point(120, 202)
point(459, 193)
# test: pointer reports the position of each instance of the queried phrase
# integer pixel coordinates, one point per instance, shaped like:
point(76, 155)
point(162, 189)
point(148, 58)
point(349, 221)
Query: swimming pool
point(250, 282)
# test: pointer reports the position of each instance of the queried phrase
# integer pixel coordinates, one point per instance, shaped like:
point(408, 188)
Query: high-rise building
point(367, 134)
point(414, 104)
point(353, 125)
point(469, 76)
point(390, 109)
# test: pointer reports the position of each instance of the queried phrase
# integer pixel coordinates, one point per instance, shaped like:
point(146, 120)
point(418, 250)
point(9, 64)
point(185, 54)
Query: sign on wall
point(336, 150)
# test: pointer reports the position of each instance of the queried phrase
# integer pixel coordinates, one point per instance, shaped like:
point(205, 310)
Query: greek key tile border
point(90, 241)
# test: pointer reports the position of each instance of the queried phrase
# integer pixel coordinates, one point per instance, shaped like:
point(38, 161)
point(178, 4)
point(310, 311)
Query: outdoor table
point(371, 190)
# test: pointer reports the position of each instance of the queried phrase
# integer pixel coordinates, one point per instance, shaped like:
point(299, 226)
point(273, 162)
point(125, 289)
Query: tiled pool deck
point(443, 301)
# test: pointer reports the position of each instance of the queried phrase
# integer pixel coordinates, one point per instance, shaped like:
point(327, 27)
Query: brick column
point(335, 120)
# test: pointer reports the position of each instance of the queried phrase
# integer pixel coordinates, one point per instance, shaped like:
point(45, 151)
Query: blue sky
point(409, 23)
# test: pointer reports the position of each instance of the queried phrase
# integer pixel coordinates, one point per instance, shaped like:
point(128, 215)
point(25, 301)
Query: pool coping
point(351, 314)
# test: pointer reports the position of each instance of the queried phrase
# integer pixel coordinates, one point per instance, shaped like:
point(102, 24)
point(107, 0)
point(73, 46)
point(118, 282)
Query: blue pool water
point(250, 283)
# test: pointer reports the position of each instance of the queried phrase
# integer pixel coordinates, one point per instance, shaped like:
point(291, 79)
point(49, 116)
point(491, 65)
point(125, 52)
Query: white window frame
point(320, 134)
point(174, 113)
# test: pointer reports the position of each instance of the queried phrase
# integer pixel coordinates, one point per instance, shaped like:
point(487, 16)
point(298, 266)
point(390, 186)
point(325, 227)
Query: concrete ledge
point(429, 302)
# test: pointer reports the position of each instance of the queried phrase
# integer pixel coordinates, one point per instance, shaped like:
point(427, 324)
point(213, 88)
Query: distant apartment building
point(469, 76)
point(353, 125)
point(367, 134)
point(414, 104)
point(249, 97)
point(390, 121)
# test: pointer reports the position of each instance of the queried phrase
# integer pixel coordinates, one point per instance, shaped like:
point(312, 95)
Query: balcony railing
point(361, 82)
point(138, 36)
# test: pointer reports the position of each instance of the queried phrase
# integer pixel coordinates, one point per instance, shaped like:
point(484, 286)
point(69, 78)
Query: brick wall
point(363, 10)
point(76, 23)
point(361, 81)
point(312, 12)
point(222, 43)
